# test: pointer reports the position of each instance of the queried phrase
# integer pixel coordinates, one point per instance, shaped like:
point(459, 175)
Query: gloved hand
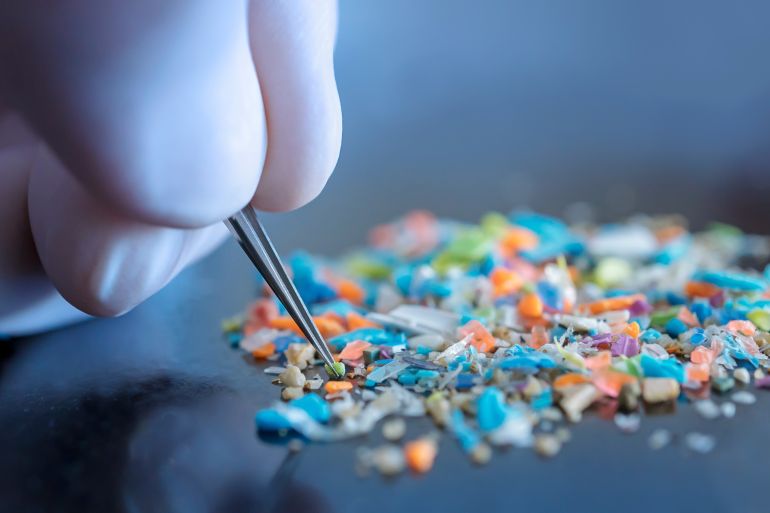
point(129, 130)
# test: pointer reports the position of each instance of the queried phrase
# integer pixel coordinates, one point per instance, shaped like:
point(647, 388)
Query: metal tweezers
point(251, 236)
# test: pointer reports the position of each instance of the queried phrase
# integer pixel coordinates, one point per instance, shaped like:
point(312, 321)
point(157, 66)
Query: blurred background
point(464, 107)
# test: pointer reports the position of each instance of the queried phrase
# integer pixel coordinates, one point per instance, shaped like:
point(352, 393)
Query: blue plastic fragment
point(491, 409)
point(698, 337)
point(701, 310)
point(464, 381)
point(407, 379)
point(675, 327)
point(282, 343)
point(341, 307)
point(314, 405)
point(732, 280)
point(271, 420)
point(375, 336)
point(669, 368)
point(465, 435)
point(542, 401)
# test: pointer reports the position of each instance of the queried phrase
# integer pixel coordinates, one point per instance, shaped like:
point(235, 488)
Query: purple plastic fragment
point(602, 339)
point(763, 383)
point(625, 346)
point(639, 308)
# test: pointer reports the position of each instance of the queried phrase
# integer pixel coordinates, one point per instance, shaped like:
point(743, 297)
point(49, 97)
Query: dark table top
point(153, 411)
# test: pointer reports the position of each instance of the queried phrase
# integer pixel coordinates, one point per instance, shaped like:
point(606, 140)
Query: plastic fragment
point(657, 390)
point(292, 377)
point(743, 397)
point(420, 454)
point(699, 442)
point(659, 439)
point(547, 445)
point(394, 429)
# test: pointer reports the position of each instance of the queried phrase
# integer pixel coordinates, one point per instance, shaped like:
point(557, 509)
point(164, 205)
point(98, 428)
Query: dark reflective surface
point(154, 412)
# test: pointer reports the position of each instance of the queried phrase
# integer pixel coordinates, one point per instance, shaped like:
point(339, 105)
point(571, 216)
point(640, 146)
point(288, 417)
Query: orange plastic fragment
point(261, 312)
point(481, 339)
point(354, 350)
point(356, 321)
point(538, 337)
point(334, 387)
point(702, 355)
point(633, 330)
point(263, 352)
point(601, 360)
point(700, 289)
point(569, 379)
point(687, 317)
point(327, 325)
point(350, 290)
point(698, 372)
point(518, 239)
point(743, 327)
point(420, 455)
point(669, 233)
point(613, 303)
point(531, 305)
point(610, 382)
point(504, 281)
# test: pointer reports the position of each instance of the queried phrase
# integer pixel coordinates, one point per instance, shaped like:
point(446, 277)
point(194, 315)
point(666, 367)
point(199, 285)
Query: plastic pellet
point(659, 439)
point(657, 390)
point(394, 430)
point(389, 460)
point(420, 455)
point(742, 375)
point(289, 393)
point(699, 442)
point(292, 377)
point(547, 445)
point(335, 387)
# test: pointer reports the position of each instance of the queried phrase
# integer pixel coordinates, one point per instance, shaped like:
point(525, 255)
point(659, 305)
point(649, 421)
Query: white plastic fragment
point(743, 397)
point(742, 375)
point(659, 439)
point(576, 399)
point(388, 460)
point(728, 410)
point(547, 445)
point(707, 409)
point(394, 429)
point(292, 377)
point(699, 442)
point(628, 423)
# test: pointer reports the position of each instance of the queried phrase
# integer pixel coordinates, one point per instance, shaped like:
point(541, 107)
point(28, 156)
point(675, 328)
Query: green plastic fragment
point(494, 224)
point(760, 318)
point(336, 372)
point(368, 268)
point(612, 271)
point(659, 319)
point(470, 246)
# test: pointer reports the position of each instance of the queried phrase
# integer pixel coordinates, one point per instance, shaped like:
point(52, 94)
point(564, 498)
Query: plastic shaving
point(505, 332)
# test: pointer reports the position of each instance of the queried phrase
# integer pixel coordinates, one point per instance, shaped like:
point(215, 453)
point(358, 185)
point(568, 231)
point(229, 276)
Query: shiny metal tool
point(251, 235)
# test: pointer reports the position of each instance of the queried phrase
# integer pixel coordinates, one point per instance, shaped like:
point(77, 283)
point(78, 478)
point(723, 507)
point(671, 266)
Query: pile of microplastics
point(505, 332)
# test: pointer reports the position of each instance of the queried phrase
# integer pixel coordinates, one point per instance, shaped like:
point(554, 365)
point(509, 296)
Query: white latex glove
point(130, 129)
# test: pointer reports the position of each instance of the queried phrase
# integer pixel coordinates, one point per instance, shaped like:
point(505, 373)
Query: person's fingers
point(28, 300)
point(101, 261)
point(153, 105)
point(292, 45)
